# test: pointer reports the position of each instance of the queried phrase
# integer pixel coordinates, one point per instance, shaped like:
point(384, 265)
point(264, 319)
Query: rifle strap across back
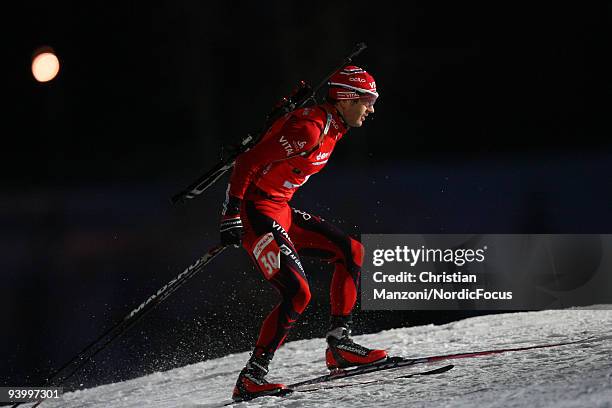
point(323, 134)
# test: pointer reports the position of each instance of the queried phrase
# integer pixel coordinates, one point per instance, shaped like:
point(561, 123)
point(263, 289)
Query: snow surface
point(578, 375)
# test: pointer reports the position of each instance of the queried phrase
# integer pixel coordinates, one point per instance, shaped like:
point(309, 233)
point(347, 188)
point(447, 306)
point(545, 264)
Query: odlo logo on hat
point(351, 83)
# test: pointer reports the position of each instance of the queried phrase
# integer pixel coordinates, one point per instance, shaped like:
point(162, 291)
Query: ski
point(439, 370)
point(387, 364)
point(396, 362)
point(293, 387)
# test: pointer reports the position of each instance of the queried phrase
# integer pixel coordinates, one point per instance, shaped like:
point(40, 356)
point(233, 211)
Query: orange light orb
point(45, 66)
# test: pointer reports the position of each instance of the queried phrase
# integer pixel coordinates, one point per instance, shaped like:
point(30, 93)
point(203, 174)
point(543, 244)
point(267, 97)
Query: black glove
point(231, 225)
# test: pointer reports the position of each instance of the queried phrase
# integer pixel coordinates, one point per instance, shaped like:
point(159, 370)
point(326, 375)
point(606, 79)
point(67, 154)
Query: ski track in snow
point(578, 375)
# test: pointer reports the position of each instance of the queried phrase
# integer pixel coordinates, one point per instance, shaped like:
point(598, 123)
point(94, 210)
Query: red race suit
point(265, 177)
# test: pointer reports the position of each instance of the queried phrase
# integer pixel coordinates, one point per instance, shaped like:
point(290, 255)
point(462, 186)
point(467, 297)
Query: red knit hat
point(351, 83)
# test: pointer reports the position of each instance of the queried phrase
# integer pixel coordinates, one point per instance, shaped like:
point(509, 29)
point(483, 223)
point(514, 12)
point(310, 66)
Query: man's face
point(355, 111)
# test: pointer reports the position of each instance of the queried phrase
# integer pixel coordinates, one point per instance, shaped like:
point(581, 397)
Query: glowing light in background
point(45, 66)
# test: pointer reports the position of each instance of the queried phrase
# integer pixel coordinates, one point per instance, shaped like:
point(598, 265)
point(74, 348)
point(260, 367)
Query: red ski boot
point(251, 382)
point(343, 352)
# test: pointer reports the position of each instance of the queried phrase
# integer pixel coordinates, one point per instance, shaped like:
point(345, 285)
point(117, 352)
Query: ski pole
point(130, 319)
point(301, 95)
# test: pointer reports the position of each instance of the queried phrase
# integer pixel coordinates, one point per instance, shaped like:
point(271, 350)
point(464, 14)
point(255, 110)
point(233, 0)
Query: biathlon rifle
point(297, 99)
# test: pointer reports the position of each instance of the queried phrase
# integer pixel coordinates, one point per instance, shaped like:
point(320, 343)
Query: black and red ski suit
point(297, 146)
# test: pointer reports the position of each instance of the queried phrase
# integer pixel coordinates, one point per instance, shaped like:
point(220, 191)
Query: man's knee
point(301, 297)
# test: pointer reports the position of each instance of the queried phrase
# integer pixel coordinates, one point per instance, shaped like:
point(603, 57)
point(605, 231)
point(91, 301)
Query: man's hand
point(231, 228)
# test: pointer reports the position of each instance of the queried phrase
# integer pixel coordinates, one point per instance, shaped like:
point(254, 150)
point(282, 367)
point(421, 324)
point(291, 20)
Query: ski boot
point(343, 352)
point(251, 382)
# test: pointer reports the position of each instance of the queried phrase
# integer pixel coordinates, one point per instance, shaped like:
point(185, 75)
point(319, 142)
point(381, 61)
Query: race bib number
point(267, 254)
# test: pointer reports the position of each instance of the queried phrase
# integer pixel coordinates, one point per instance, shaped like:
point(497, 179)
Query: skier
point(256, 213)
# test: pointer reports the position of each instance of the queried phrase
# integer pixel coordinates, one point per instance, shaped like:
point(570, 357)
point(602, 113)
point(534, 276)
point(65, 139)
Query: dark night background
point(493, 118)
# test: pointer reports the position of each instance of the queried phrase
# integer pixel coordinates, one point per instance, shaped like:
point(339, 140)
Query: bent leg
point(271, 249)
point(313, 236)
